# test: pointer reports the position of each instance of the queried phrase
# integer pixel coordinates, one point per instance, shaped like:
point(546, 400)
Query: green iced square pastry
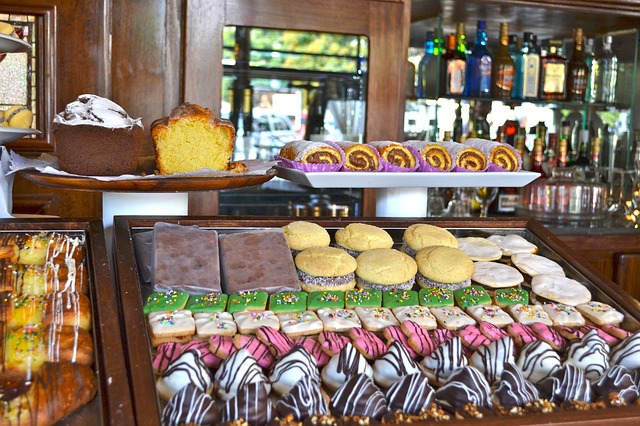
point(288, 301)
point(511, 296)
point(394, 298)
point(365, 297)
point(325, 299)
point(247, 301)
point(471, 296)
point(165, 301)
point(210, 302)
point(435, 297)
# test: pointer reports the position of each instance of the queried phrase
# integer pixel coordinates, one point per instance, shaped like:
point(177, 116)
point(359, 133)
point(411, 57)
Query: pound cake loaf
point(192, 138)
point(96, 137)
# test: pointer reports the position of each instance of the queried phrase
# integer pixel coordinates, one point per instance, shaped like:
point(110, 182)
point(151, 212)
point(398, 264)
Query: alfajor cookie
point(385, 269)
point(358, 237)
point(302, 235)
point(444, 267)
point(554, 288)
point(479, 249)
point(512, 244)
point(493, 275)
point(533, 264)
point(325, 268)
point(421, 235)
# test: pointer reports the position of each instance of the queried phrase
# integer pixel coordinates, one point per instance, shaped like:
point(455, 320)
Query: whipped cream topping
point(94, 110)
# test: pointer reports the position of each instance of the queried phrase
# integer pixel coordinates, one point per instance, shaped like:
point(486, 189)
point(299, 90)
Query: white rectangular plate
point(406, 180)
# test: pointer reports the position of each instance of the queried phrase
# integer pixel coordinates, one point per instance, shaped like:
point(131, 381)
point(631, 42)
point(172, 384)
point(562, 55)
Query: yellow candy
point(18, 116)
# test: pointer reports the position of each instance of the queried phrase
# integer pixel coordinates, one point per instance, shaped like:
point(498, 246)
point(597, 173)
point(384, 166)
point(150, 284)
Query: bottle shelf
point(549, 102)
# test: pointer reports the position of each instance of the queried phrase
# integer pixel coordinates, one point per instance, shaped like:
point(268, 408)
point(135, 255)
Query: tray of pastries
point(275, 321)
point(62, 355)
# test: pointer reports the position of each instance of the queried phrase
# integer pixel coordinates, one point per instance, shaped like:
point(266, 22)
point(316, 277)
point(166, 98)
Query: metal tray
point(132, 288)
point(112, 404)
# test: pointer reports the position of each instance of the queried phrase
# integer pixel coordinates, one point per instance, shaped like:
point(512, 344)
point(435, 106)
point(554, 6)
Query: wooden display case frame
point(137, 348)
point(112, 404)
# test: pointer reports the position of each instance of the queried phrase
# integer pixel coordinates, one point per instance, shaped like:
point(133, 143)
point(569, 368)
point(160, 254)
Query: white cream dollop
point(94, 110)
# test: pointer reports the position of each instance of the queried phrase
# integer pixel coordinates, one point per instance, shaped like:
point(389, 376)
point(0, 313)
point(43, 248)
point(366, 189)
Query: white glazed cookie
point(452, 317)
point(215, 323)
point(421, 315)
point(528, 314)
point(534, 264)
point(301, 323)
point(479, 249)
point(338, 319)
point(172, 323)
point(250, 321)
point(560, 289)
point(376, 319)
point(512, 244)
point(562, 314)
point(600, 313)
point(496, 275)
point(491, 314)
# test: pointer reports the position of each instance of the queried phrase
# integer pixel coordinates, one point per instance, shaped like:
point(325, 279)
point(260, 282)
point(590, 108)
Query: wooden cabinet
point(616, 256)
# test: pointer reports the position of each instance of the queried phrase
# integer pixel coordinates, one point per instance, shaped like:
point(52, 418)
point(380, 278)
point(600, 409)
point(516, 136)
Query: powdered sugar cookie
point(249, 322)
point(394, 333)
point(369, 345)
point(528, 314)
point(208, 324)
point(332, 342)
point(302, 323)
point(452, 317)
point(278, 342)
point(472, 338)
point(533, 264)
point(479, 249)
point(314, 348)
point(419, 314)
point(258, 350)
point(562, 314)
point(418, 338)
point(600, 313)
point(339, 319)
point(376, 319)
point(490, 313)
point(549, 335)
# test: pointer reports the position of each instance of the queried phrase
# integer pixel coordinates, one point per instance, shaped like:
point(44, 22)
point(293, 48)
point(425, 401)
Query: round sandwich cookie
point(554, 288)
point(358, 237)
point(443, 267)
point(533, 264)
point(479, 249)
point(493, 275)
point(421, 235)
point(512, 244)
point(385, 269)
point(302, 235)
point(325, 268)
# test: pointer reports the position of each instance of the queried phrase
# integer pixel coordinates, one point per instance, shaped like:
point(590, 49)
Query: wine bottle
point(552, 73)
point(577, 70)
point(527, 76)
point(607, 73)
point(479, 65)
point(423, 78)
point(453, 69)
point(503, 68)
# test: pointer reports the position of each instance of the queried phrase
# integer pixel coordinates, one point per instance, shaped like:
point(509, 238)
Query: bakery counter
point(63, 359)
point(146, 359)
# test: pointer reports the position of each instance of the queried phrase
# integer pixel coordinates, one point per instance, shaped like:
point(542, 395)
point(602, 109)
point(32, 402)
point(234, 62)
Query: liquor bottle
point(423, 77)
point(503, 68)
point(510, 129)
point(596, 146)
point(524, 152)
point(589, 57)
point(458, 126)
point(514, 46)
point(550, 152)
point(561, 158)
point(552, 73)
point(453, 69)
point(607, 73)
point(541, 133)
point(461, 39)
point(527, 76)
point(537, 158)
point(577, 70)
point(583, 149)
point(479, 65)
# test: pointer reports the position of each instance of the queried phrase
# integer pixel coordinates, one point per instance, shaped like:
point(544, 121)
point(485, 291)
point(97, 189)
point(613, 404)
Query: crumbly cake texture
point(421, 235)
point(288, 301)
point(339, 320)
point(376, 319)
point(215, 323)
point(471, 296)
point(301, 235)
point(210, 302)
point(511, 296)
point(601, 313)
point(192, 138)
point(444, 264)
point(325, 299)
point(165, 301)
point(394, 298)
point(360, 237)
point(249, 322)
point(435, 296)
point(365, 297)
point(247, 301)
point(301, 323)
point(421, 315)
point(257, 260)
point(185, 258)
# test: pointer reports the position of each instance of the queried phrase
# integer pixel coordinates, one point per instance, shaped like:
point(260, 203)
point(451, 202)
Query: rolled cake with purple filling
point(325, 268)
point(499, 154)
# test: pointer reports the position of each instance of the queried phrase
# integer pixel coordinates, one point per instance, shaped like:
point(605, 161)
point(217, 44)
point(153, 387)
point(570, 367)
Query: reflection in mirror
point(18, 70)
point(283, 85)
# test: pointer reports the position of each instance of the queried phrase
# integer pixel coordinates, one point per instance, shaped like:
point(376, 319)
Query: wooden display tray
point(112, 404)
point(138, 351)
